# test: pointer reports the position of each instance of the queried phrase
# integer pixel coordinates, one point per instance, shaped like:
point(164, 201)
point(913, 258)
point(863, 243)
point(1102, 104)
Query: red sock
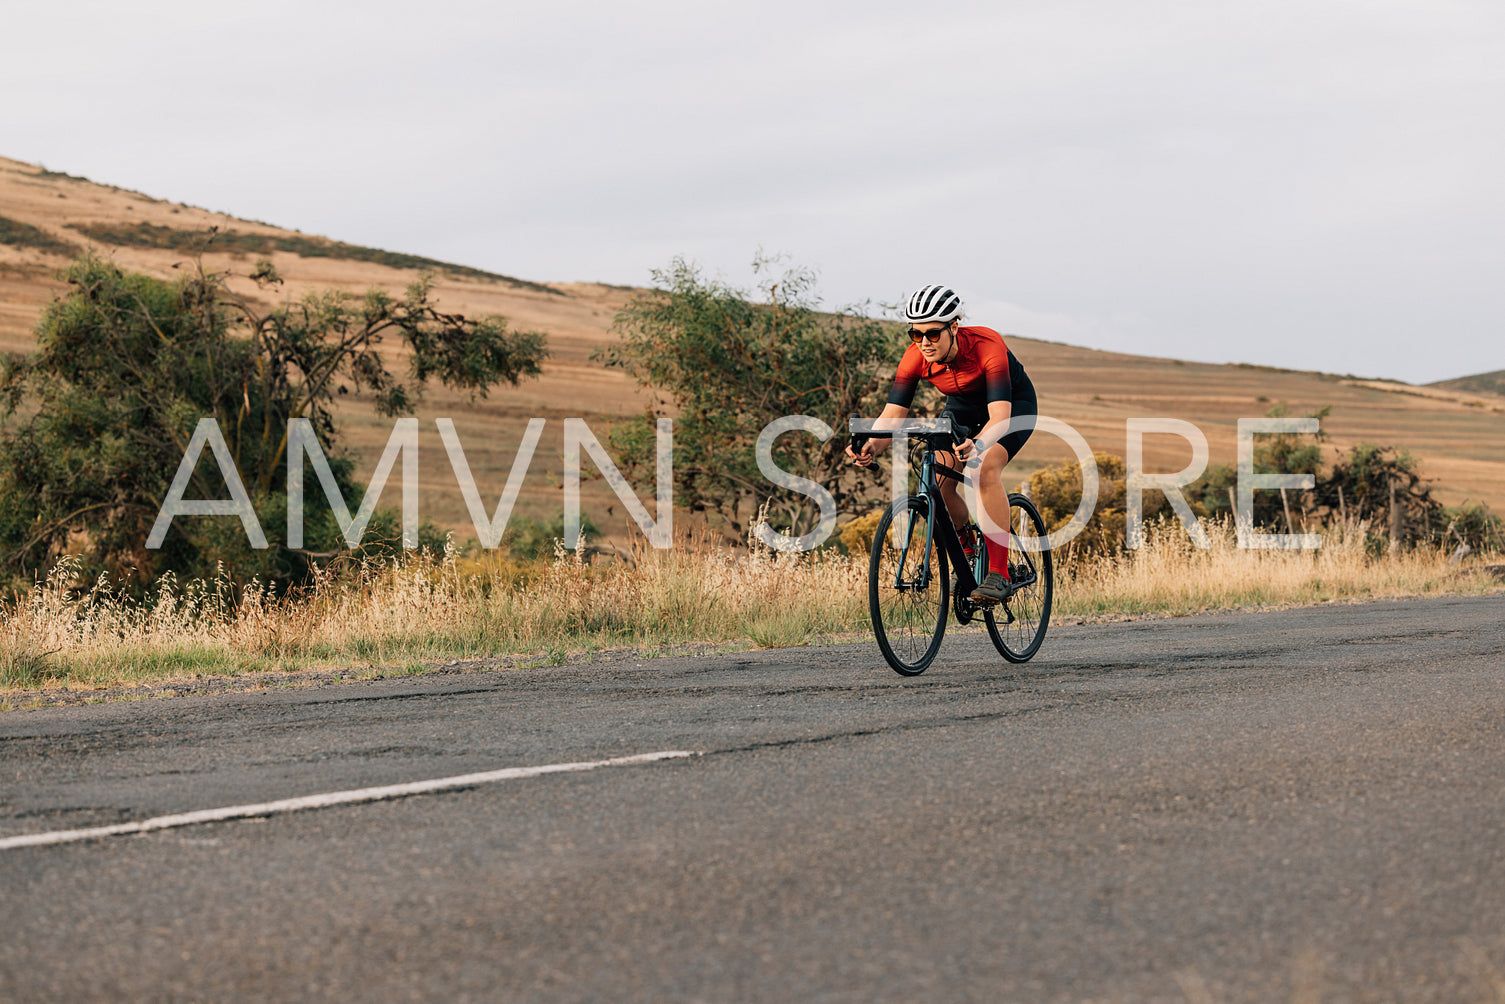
point(998, 556)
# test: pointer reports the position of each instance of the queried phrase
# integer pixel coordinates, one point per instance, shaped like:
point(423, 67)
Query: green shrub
point(1474, 525)
point(238, 242)
point(24, 235)
point(529, 539)
point(1057, 492)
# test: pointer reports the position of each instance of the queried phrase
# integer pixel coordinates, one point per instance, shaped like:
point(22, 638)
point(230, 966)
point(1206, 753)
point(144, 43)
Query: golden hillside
point(46, 217)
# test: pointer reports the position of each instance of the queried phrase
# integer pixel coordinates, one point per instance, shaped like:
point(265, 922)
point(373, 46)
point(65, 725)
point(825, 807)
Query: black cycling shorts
point(966, 423)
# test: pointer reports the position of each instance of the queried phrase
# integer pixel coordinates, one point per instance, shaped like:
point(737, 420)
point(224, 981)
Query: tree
point(1362, 484)
point(1472, 525)
point(1280, 453)
point(97, 419)
point(727, 366)
point(1358, 485)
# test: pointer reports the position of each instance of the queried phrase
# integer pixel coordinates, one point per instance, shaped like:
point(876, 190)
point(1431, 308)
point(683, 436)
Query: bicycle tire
point(909, 615)
point(1027, 612)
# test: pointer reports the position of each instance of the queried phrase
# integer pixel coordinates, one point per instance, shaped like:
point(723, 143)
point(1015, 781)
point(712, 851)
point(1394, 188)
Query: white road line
point(328, 799)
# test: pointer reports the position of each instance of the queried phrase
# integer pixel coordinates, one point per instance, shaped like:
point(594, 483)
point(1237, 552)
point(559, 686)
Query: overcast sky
point(1314, 184)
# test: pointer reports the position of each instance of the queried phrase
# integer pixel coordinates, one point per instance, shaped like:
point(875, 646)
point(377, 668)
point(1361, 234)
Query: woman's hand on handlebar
point(863, 457)
point(869, 452)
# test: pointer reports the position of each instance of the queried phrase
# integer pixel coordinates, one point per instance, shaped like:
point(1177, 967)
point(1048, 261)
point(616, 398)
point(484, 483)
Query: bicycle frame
point(939, 516)
point(934, 434)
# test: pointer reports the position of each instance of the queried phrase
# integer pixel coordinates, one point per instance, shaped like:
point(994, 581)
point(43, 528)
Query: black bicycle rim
point(908, 611)
point(1026, 614)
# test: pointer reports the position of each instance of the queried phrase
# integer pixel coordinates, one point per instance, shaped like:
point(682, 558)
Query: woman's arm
point(999, 413)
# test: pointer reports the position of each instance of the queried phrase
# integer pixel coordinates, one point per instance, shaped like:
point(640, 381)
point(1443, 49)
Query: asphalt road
point(1299, 805)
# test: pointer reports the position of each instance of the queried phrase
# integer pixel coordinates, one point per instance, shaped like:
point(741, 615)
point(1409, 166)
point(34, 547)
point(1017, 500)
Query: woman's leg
point(994, 499)
point(965, 427)
point(955, 504)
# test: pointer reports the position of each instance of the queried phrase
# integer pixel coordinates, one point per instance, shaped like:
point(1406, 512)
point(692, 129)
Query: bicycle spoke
point(908, 586)
point(1027, 613)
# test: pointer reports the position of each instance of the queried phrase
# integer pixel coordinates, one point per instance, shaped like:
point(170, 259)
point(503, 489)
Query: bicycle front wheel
point(908, 587)
point(1026, 614)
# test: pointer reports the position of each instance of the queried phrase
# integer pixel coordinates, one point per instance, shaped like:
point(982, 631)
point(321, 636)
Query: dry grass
point(423, 609)
point(1170, 575)
point(399, 617)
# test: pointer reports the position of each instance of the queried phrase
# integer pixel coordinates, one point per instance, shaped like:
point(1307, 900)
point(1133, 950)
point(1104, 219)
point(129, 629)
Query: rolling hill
point(1479, 383)
point(1457, 427)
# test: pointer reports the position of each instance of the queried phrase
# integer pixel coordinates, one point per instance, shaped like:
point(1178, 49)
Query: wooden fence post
point(1395, 520)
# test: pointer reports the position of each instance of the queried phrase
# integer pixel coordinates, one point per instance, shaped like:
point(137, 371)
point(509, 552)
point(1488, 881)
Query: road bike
point(910, 592)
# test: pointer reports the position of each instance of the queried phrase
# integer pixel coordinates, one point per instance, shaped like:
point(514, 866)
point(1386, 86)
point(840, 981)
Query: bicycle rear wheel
point(908, 591)
point(1026, 614)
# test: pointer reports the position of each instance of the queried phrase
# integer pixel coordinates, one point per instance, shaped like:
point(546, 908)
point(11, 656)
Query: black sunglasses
point(915, 334)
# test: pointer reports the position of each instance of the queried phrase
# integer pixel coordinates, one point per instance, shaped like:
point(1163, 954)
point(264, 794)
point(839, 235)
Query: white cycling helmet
point(933, 303)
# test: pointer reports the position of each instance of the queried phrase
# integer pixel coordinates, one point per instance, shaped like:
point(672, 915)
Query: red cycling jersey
point(983, 371)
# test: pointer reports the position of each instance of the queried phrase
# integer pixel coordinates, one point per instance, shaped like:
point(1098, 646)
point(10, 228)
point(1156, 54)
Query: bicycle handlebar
point(936, 432)
point(945, 439)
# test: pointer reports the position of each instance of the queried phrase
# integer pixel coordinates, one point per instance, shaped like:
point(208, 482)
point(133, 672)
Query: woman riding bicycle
point(985, 387)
